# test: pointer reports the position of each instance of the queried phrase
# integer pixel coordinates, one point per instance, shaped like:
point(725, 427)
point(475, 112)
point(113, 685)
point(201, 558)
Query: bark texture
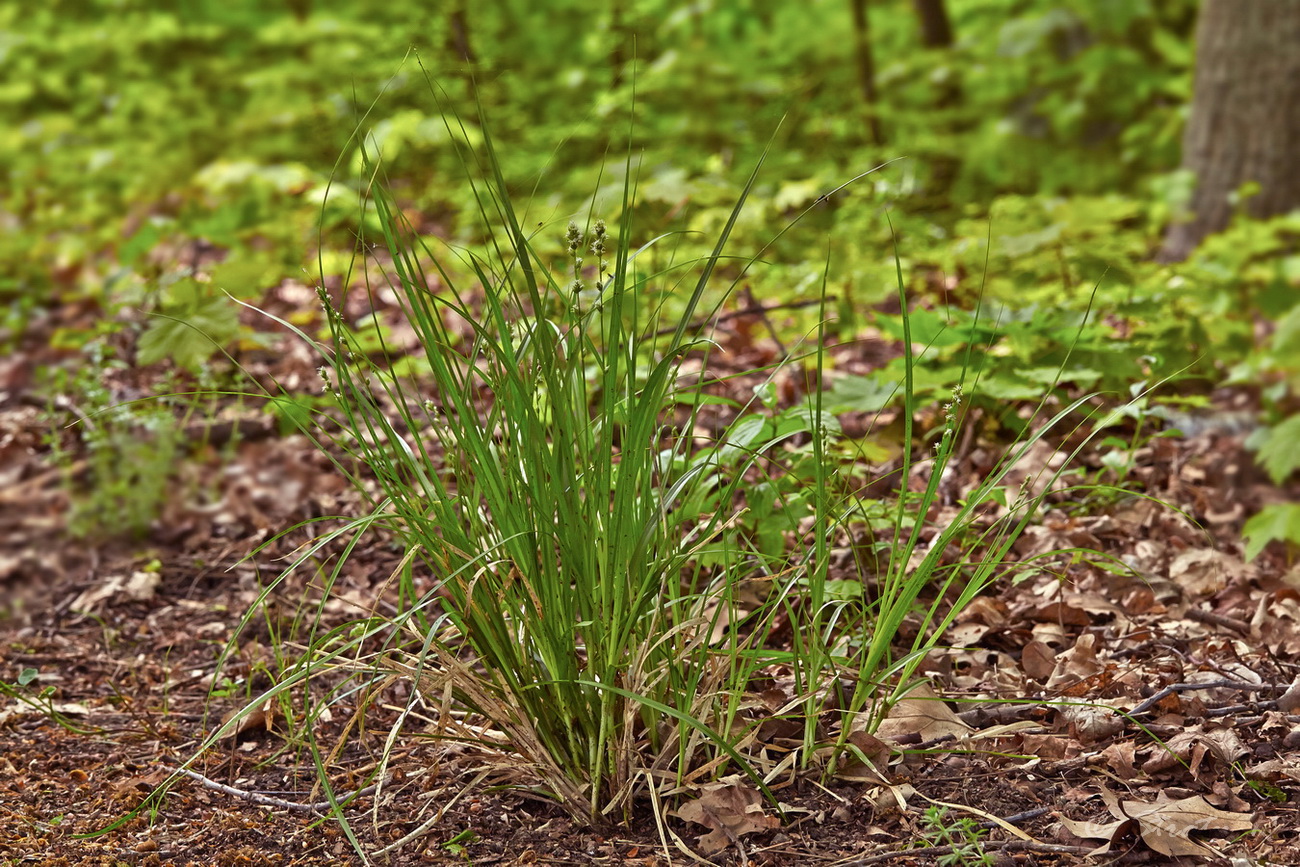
point(867, 68)
point(1245, 116)
point(936, 27)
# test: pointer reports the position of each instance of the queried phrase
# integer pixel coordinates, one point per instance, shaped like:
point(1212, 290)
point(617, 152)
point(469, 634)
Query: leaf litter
point(1164, 665)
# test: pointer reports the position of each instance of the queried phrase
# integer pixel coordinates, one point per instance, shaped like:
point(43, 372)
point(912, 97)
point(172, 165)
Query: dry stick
point(986, 845)
point(270, 801)
point(1233, 709)
point(1174, 688)
point(1023, 708)
point(1209, 617)
point(1017, 818)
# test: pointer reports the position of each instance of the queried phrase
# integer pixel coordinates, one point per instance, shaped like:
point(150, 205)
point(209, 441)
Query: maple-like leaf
point(1165, 826)
point(730, 811)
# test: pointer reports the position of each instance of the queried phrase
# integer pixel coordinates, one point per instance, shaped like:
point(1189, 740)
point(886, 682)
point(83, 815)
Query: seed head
point(573, 237)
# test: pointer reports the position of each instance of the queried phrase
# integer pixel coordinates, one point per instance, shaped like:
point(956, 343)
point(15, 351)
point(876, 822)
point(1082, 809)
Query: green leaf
point(1279, 522)
point(190, 331)
point(1278, 454)
point(742, 435)
point(1009, 388)
point(861, 394)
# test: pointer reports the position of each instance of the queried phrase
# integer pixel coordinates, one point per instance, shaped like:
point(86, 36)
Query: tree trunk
point(458, 35)
point(1245, 116)
point(866, 68)
point(936, 28)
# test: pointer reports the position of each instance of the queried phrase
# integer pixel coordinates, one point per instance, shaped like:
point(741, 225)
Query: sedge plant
point(549, 501)
point(536, 479)
point(538, 463)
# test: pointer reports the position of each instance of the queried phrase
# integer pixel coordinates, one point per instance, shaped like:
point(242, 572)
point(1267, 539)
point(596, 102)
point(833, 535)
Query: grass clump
point(538, 480)
point(572, 592)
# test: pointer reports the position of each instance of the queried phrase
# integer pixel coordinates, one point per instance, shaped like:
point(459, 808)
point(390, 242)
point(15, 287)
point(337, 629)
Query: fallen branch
point(1174, 688)
point(271, 801)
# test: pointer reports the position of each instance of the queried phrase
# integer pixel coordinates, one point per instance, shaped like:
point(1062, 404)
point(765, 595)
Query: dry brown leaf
point(1090, 723)
point(1166, 825)
point(923, 714)
point(729, 811)
point(1108, 831)
point(1076, 664)
point(876, 754)
point(1121, 757)
point(1203, 571)
point(1048, 747)
point(1185, 748)
point(1190, 747)
point(140, 586)
point(1290, 700)
point(261, 717)
point(1038, 660)
point(1061, 612)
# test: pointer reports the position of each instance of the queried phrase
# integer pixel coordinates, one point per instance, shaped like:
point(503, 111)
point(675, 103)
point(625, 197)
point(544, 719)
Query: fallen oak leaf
point(1166, 825)
point(1108, 831)
point(866, 759)
point(729, 810)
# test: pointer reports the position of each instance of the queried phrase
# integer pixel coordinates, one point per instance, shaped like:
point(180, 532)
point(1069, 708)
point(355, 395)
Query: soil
point(127, 639)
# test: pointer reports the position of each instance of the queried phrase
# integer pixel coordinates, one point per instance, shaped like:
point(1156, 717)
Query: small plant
point(962, 836)
point(131, 451)
point(43, 702)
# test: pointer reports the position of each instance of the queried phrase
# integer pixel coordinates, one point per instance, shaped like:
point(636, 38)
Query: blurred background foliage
point(157, 155)
point(127, 123)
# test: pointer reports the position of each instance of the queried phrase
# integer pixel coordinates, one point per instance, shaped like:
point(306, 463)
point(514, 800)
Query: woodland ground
point(128, 635)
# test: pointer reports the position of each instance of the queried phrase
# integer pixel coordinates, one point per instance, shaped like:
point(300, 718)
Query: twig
point(1017, 818)
point(270, 801)
point(1233, 709)
point(1209, 617)
point(1175, 688)
point(986, 845)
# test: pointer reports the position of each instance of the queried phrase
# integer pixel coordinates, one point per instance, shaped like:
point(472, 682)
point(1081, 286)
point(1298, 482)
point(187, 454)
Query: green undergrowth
point(159, 160)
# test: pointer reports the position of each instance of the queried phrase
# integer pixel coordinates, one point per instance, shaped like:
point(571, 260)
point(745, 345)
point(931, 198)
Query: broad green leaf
point(1278, 454)
point(189, 333)
point(1279, 522)
point(861, 394)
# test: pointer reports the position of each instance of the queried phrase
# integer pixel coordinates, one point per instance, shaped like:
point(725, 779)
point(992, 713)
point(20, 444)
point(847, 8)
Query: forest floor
point(1139, 715)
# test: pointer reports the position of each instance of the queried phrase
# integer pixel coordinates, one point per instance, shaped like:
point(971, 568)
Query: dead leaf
point(1121, 757)
point(1166, 825)
point(1190, 747)
point(1203, 571)
point(1076, 664)
point(1090, 723)
point(140, 586)
point(868, 761)
point(1290, 700)
point(1038, 660)
point(730, 810)
point(924, 715)
point(1108, 831)
point(262, 717)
